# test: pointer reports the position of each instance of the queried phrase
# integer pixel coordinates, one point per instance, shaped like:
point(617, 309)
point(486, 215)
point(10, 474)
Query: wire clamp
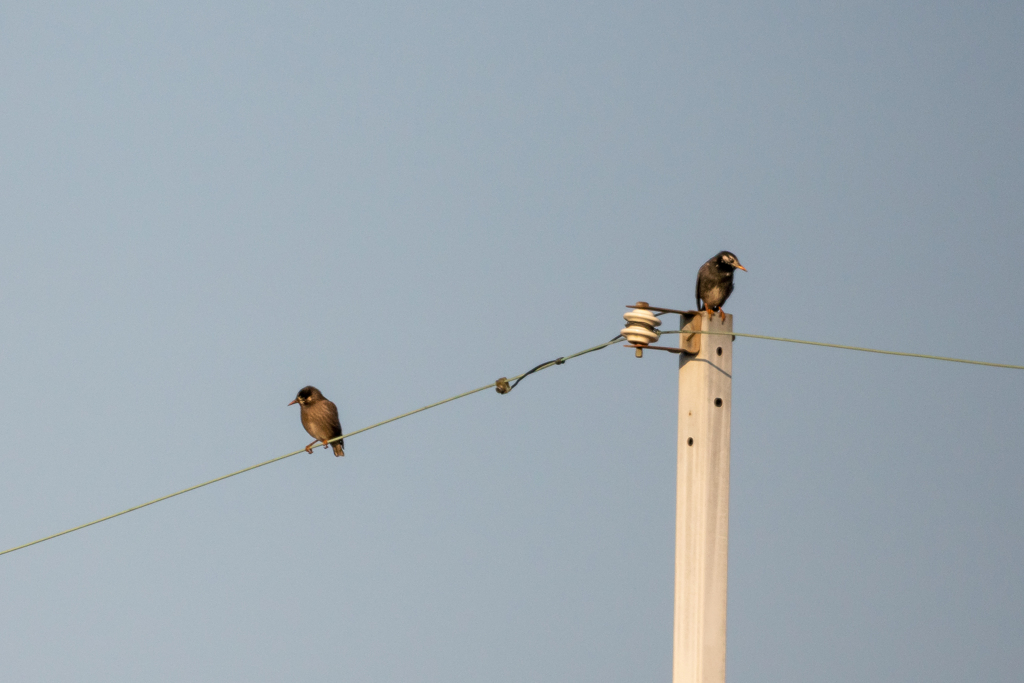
point(501, 386)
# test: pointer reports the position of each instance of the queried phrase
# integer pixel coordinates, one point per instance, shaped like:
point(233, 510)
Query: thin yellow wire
point(287, 455)
point(488, 386)
point(852, 348)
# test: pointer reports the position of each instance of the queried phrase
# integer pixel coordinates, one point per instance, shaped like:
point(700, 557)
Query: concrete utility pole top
point(702, 502)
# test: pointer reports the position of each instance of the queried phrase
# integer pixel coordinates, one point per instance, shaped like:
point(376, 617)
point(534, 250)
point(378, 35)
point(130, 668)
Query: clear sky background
point(205, 208)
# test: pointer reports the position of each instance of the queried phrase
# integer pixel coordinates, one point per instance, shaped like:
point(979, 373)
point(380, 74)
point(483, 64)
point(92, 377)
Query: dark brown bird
point(714, 281)
point(320, 418)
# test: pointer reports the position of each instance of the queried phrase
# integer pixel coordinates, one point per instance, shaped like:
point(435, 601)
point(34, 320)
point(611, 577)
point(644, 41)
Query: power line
point(503, 387)
point(288, 455)
point(852, 348)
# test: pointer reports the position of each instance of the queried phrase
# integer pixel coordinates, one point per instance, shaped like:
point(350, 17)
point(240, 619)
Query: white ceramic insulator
point(635, 334)
point(642, 316)
point(640, 324)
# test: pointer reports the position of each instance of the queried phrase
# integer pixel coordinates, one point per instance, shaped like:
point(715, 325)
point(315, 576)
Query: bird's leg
point(721, 313)
point(707, 307)
point(309, 448)
point(326, 445)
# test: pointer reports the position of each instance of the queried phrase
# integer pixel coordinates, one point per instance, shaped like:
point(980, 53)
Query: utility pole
point(702, 501)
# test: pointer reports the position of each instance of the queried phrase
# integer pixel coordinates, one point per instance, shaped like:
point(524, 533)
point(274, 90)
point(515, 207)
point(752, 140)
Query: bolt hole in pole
point(718, 403)
point(689, 442)
point(719, 350)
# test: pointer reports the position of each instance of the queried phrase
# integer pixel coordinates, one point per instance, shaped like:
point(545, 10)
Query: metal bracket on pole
point(690, 343)
point(641, 329)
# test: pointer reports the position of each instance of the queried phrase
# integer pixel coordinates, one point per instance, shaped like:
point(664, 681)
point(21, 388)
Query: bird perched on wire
point(714, 281)
point(320, 418)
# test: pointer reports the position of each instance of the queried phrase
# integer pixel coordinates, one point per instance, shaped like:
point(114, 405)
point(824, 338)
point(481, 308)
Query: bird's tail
point(339, 448)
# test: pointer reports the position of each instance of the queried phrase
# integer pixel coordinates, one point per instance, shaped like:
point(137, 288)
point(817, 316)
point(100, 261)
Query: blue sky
point(206, 208)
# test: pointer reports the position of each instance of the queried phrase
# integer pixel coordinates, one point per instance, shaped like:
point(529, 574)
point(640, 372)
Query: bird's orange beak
point(742, 268)
point(294, 402)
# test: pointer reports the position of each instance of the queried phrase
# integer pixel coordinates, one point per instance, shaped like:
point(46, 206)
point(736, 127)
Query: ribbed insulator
point(640, 327)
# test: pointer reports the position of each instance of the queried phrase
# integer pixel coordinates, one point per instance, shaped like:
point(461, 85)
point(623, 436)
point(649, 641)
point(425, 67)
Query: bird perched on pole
point(320, 418)
point(714, 281)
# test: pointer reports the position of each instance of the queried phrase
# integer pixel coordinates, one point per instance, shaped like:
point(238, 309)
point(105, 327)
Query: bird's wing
point(331, 418)
point(697, 286)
